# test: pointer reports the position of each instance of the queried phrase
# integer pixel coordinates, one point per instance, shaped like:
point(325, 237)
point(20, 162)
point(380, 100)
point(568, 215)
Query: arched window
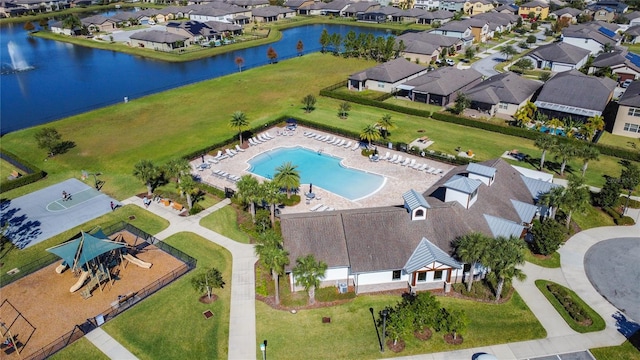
point(419, 213)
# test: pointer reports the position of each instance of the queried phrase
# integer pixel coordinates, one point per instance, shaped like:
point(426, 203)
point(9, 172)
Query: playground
point(41, 307)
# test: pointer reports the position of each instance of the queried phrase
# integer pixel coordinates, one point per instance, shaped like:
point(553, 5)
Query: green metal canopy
point(76, 253)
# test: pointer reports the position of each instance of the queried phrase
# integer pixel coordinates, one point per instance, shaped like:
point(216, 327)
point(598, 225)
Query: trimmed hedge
point(33, 174)
point(574, 310)
point(507, 130)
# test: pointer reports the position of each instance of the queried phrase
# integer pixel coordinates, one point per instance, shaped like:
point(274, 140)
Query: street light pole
point(376, 327)
point(385, 312)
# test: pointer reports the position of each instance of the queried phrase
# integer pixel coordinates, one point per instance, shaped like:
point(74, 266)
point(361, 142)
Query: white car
point(450, 62)
point(626, 83)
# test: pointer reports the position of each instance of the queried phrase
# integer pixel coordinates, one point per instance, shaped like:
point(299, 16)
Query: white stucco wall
point(379, 277)
point(454, 195)
point(588, 44)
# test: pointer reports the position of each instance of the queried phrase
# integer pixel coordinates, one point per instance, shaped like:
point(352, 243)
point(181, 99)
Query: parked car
point(626, 83)
point(450, 62)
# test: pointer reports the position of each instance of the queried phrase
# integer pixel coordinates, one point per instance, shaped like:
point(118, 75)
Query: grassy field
point(144, 220)
point(170, 324)
point(351, 334)
point(224, 222)
point(6, 169)
point(552, 262)
point(81, 349)
point(625, 351)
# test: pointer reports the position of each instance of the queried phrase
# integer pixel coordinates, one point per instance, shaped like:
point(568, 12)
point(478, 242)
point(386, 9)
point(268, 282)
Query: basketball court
point(42, 214)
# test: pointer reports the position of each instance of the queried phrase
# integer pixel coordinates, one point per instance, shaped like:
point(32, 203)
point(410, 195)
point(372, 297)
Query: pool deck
point(399, 179)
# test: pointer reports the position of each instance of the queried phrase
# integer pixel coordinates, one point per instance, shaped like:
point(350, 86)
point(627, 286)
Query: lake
point(68, 80)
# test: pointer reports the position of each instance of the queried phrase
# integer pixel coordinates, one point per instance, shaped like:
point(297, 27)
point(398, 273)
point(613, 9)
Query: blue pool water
point(319, 169)
point(551, 131)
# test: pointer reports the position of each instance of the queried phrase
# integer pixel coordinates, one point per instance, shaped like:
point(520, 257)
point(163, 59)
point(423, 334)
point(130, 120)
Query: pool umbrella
point(310, 188)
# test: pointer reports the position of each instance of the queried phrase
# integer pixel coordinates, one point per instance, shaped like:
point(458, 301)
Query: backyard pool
point(319, 169)
point(552, 131)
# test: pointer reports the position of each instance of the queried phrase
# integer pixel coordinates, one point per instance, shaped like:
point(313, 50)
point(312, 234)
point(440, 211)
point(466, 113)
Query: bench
point(165, 202)
point(177, 206)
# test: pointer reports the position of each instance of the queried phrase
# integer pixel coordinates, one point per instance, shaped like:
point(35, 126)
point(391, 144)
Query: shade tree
point(208, 280)
point(547, 235)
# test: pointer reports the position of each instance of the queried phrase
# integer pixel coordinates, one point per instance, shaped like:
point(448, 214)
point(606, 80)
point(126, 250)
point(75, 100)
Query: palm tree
point(177, 167)
point(564, 151)
point(576, 197)
point(239, 121)
point(552, 200)
point(343, 110)
point(146, 172)
point(470, 249)
point(385, 123)
point(308, 273)
point(545, 143)
point(588, 153)
point(186, 185)
point(270, 193)
point(595, 123)
point(555, 123)
point(248, 192)
point(370, 133)
point(287, 177)
point(505, 255)
point(272, 255)
point(525, 113)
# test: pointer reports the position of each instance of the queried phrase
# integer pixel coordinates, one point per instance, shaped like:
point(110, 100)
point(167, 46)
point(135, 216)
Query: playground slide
point(61, 268)
point(81, 280)
point(134, 260)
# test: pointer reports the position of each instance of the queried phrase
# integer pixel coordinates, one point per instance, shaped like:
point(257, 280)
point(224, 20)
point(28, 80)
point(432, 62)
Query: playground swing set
point(93, 256)
point(12, 325)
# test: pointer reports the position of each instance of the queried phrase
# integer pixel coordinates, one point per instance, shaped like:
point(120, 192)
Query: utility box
point(342, 288)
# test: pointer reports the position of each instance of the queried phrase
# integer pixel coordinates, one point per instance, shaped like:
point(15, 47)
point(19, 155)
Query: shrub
point(547, 236)
point(625, 220)
point(574, 310)
point(293, 200)
point(196, 208)
point(263, 220)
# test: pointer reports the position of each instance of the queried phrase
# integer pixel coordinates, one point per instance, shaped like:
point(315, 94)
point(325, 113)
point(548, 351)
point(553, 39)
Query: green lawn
point(81, 349)
point(144, 220)
point(592, 217)
point(351, 334)
point(551, 262)
point(619, 141)
point(225, 222)
point(625, 351)
point(6, 169)
point(170, 324)
point(598, 323)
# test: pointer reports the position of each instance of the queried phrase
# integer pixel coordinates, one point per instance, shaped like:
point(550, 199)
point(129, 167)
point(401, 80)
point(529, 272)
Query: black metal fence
point(124, 303)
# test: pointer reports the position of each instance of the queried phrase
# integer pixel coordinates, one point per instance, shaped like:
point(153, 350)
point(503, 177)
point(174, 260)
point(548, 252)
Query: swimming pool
point(552, 131)
point(320, 170)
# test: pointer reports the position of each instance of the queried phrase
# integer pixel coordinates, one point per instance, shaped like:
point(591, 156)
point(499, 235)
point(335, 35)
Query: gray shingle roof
point(444, 81)
point(437, 15)
point(631, 96)
point(502, 227)
point(482, 170)
point(427, 253)
point(506, 87)
point(568, 10)
point(429, 38)
point(457, 26)
point(389, 72)
point(633, 31)
point(532, 4)
point(268, 11)
point(498, 18)
point(414, 200)
point(94, 20)
point(575, 89)
point(592, 30)
point(561, 52)
point(418, 47)
point(463, 184)
point(157, 36)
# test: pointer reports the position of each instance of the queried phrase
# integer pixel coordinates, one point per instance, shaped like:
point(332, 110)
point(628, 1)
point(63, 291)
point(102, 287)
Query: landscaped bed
point(578, 315)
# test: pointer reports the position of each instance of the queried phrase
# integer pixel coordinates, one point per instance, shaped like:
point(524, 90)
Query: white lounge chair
point(239, 149)
point(433, 171)
point(251, 142)
point(318, 137)
point(421, 167)
point(328, 140)
point(322, 208)
point(348, 144)
point(256, 141)
point(261, 138)
point(268, 135)
point(409, 163)
point(386, 156)
point(355, 147)
point(398, 160)
point(316, 207)
point(393, 158)
point(228, 152)
point(335, 142)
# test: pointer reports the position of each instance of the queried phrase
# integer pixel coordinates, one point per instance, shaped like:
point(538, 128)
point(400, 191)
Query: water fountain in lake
point(18, 63)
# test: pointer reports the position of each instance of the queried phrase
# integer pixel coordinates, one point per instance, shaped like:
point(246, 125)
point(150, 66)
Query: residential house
point(249, 4)
point(158, 40)
point(123, 19)
point(58, 28)
point(480, 29)
point(315, 8)
point(385, 13)
point(360, 7)
point(473, 7)
point(440, 16)
point(385, 77)
point(503, 93)
point(220, 12)
point(592, 36)
point(572, 94)
point(606, 10)
point(505, 21)
point(632, 34)
point(335, 7)
point(633, 17)
point(427, 4)
point(271, 13)
point(98, 23)
point(627, 121)
point(440, 87)
point(409, 246)
point(372, 16)
point(558, 57)
point(297, 4)
point(625, 64)
point(203, 32)
point(539, 8)
point(425, 47)
point(456, 29)
point(412, 15)
point(11, 8)
point(452, 5)
point(568, 14)
point(508, 9)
